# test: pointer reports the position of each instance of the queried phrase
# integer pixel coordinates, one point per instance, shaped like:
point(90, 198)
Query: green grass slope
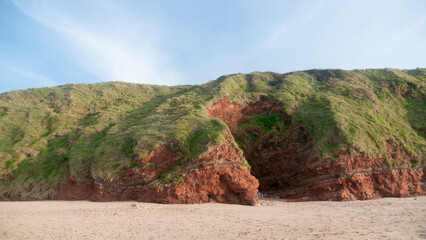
point(94, 131)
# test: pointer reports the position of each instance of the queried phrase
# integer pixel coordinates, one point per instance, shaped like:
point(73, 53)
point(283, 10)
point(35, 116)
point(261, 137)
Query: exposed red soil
point(284, 164)
point(218, 176)
point(397, 183)
point(288, 166)
point(274, 159)
point(233, 114)
point(356, 178)
point(156, 163)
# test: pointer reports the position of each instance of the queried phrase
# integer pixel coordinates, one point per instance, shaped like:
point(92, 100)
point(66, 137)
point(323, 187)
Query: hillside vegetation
point(95, 131)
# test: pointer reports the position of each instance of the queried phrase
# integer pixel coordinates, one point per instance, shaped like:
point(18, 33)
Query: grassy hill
point(94, 131)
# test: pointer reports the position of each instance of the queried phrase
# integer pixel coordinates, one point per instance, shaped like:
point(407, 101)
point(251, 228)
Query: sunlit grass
point(98, 130)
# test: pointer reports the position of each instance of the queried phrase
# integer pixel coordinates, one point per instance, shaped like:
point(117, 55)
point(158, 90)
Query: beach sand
point(389, 218)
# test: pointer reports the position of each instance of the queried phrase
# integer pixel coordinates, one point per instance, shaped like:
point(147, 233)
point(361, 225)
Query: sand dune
point(389, 218)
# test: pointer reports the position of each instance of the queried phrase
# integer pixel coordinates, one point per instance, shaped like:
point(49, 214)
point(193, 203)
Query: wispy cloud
point(274, 38)
point(398, 40)
point(109, 49)
point(36, 78)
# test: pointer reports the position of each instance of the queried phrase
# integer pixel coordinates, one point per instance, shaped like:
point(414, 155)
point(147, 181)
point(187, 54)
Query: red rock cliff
point(217, 176)
point(288, 166)
point(284, 163)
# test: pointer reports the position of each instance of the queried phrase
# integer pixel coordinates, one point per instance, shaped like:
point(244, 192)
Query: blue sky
point(46, 43)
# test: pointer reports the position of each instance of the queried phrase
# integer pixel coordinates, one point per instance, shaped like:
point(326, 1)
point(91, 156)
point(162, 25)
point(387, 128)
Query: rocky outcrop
point(355, 178)
point(97, 141)
point(284, 160)
point(217, 176)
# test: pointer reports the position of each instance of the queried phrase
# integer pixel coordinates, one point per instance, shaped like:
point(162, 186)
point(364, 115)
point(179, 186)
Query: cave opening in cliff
point(274, 147)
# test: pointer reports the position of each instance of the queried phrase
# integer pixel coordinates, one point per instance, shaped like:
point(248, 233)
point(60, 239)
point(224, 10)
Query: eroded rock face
point(217, 176)
point(276, 155)
point(356, 178)
point(285, 161)
point(284, 164)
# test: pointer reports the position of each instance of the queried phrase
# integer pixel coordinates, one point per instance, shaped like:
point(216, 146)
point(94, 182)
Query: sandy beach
point(389, 218)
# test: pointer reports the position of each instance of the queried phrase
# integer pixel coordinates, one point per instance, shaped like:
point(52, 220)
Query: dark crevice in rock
point(283, 158)
point(276, 149)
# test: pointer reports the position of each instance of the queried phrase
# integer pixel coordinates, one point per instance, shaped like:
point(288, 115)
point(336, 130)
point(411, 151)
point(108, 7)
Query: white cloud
point(396, 42)
point(121, 50)
point(273, 40)
point(36, 78)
